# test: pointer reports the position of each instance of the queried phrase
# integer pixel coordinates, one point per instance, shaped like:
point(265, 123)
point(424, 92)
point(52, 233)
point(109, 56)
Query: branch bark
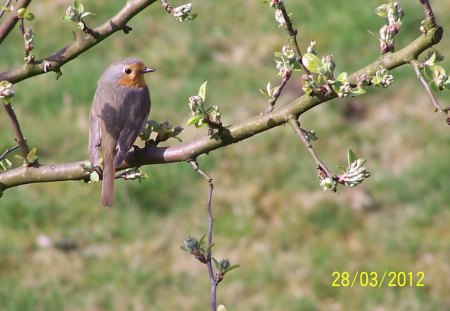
point(77, 47)
point(234, 134)
point(12, 19)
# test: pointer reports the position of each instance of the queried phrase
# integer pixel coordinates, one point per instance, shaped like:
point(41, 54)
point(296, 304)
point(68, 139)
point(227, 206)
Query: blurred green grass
point(271, 216)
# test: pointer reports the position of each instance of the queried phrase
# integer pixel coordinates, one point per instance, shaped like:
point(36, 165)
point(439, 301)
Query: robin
point(119, 113)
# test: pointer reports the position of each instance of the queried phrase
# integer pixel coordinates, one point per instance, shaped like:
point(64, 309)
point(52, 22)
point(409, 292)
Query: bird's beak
point(146, 70)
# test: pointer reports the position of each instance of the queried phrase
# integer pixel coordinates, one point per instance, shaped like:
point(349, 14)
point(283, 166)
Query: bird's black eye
point(127, 71)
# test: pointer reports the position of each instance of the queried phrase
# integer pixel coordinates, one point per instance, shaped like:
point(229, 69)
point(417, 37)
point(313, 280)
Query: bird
point(119, 112)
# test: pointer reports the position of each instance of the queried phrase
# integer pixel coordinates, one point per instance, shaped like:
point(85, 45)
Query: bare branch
point(436, 105)
point(8, 151)
point(9, 23)
point(429, 15)
point(293, 37)
point(284, 79)
point(212, 277)
point(166, 6)
point(80, 45)
point(235, 133)
point(21, 141)
point(320, 165)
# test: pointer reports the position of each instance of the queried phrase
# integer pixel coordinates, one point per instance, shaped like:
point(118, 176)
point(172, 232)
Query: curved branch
point(233, 134)
point(80, 45)
point(9, 23)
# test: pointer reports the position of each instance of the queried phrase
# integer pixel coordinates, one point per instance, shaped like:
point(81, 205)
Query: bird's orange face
point(133, 75)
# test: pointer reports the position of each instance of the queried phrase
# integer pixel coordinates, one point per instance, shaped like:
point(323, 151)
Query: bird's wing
point(135, 112)
point(94, 132)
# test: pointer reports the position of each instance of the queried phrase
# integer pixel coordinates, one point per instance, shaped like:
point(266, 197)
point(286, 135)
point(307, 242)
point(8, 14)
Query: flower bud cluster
point(355, 174)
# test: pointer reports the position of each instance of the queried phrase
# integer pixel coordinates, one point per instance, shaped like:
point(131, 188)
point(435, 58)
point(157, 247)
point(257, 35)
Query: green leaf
point(264, 93)
point(351, 156)
point(216, 263)
point(376, 80)
point(86, 14)
point(357, 91)
point(439, 71)
point(78, 6)
point(311, 62)
point(21, 12)
point(94, 177)
point(202, 91)
point(269, 89)
point(381, 11)
point(342, 77)
point(31, 156)
point(192, 16)
point(194, 120)
point(208, 249)
point(433, 86)
point(29, 16)
point(222, 307)
point(233, 267)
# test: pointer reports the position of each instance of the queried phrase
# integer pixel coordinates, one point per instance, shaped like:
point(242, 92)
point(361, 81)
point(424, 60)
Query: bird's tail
point(109, 174)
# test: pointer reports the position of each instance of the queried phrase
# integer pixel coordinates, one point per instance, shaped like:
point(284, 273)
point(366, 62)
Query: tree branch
point(212, 277)
point(429, 15)
point(437, 107)
point(8, 151)
point(234, 134)
point(77, 47)
point(21, 141)
point(322, 168)
point(9, 23)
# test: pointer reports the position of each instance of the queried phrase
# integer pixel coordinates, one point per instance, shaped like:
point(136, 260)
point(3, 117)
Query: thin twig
point(204, 145)
point(429, 15)
point(293, 36)
point(436, 105)
point(80, 45)
point(279, 89)
point(166, 6)
point(212, 277)
point(8, 151)
point(11, 20)
point(320, 165)
point(21, 141)
point(7, 4)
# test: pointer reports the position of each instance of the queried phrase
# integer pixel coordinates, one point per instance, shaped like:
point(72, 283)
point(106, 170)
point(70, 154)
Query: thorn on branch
point(126, 29)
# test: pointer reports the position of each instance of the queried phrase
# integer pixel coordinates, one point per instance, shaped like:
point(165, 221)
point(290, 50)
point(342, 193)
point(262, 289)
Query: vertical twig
point(21, 141)
point(429, 15)
point(212, 277)
point(321, 166)
point(277, 93)
point(293, 36)
point(436, 105)
point(12, 18)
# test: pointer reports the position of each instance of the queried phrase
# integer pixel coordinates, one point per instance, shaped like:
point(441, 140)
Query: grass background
point(271, 216)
